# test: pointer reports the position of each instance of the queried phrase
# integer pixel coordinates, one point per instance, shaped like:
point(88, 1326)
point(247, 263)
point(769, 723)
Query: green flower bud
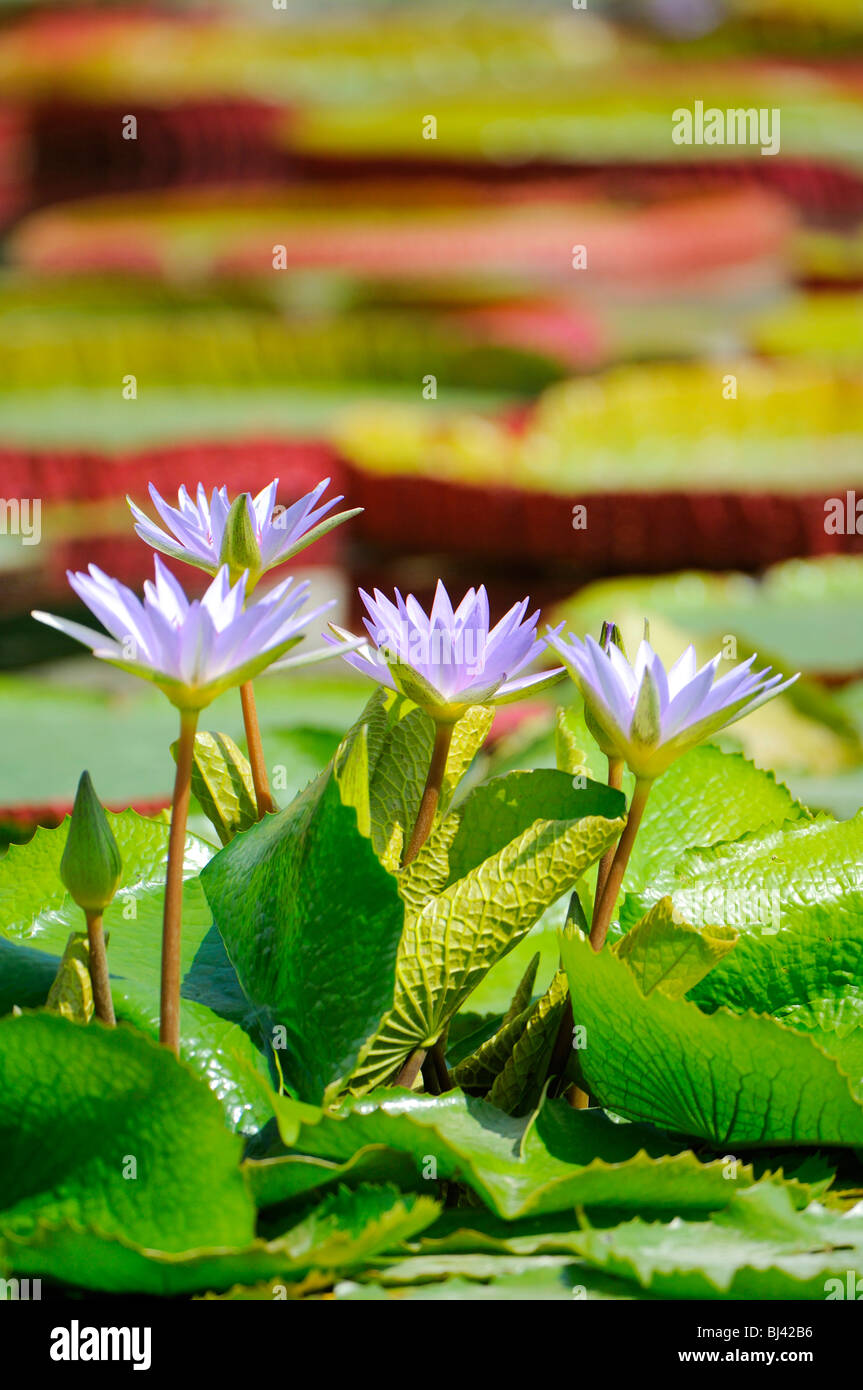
point(91, 866)
point(240, 550)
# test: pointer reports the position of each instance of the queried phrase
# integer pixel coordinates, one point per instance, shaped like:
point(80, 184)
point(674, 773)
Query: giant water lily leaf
point(312, 921)
point(731, 1079)
point(758, 1247)
point(521, 841)
point(664, 952)
point(37, 916)
point(117, 1136)
point(804, 611)
point(549, 1161)
point(799, 611)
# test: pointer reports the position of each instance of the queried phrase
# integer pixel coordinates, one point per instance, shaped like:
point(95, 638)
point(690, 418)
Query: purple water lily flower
point(448, 660)
point(191, 650)
point(649, 716)
point(197, 528)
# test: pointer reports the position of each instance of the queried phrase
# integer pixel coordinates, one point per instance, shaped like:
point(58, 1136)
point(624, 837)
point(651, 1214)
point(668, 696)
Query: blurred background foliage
point(449, 255)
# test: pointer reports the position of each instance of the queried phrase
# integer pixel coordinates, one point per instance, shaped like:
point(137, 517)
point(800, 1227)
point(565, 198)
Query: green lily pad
point(546, 1162)
point(733, 1079)
point(492, 1281)
point(117, 1136)
point(705, 797)
point(665, 952)
point(345, 1230)
point(794, 895)
point(759, 1247)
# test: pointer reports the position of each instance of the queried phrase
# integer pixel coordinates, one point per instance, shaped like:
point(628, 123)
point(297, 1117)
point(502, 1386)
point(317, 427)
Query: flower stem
point(102, 1001)
point(615, 780)
point(411, 1069)
point(577, 1098)
point(438, 1056)
point(256, 751)
point(169, 1018)
point(604, 904)
point(431, 794)
point(430, 1076)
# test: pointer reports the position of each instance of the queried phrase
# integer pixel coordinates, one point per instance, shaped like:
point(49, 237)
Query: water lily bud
point(240, 550)
point(91, 866)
